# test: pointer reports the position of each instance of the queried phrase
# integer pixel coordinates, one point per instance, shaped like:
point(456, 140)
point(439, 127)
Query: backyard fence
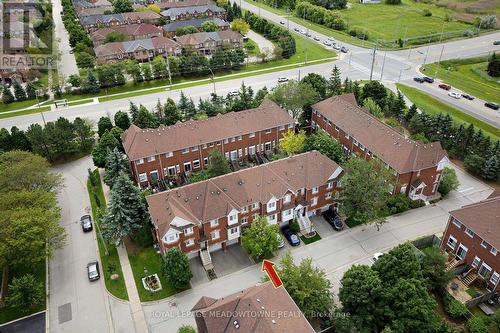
point(426, 241)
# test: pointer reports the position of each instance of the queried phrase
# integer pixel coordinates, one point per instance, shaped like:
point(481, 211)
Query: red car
point(444, 86)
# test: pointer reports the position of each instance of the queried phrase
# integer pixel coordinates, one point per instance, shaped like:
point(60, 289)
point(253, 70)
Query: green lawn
point(433, 106)
point(468, 75)
point(310, 240)
point(17, 105)
point(251, 47)
point(7, 313)
point(110, 264)
point(25, 112)
point(152, 261)
point(383, 21)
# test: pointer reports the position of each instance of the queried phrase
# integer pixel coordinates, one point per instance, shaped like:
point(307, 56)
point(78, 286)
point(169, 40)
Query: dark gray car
point(86, 222)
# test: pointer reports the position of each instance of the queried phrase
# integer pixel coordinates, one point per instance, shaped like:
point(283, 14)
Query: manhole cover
point(64, 313)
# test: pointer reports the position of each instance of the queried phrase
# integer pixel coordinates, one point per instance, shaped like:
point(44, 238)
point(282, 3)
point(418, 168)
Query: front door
point(485, 270)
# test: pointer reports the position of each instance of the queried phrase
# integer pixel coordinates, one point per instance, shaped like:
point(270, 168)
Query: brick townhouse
point(188, 13)
point(94, 22)
point(208, 42)
point(416, 166)
point(163, 153)
point(185, 3)
point(209, 215)
point(130, 32)
point(472, 237)
point(170, 29)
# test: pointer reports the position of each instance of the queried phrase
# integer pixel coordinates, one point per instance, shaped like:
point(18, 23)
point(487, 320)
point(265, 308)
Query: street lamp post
point(213, 79)
point(383, 65)
point(373, 59)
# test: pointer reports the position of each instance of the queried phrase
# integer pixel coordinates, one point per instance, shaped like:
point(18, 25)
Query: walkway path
point(263, 44)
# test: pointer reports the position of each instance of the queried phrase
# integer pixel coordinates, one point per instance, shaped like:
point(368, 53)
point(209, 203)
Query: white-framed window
point(336, 128)
point(329, 185)
point(369, 153)
point(244, 220)
point(403, 189)
point(361, 146)
point(215, 234)
point(139, 161)
point(494, 251)
point(328, 195)
point(185, 150)
point(484, 243)
point(205, 161)
point(187, 166)
point(233, 139)
point(226, 140)
point(171, 171)
point(494, 278)
point(271, 218)
point(169, 154)
point(457, 223)
point(476, 262)
point(214, 223)
point(469, 232)
point(282, 127)
point(290, 126)
point(315, 190)
point(189, 242)
point(251, 135)
point(172, 238)
point(151, 158)
point(244, 209)
point(268, 131)
point(355, 142)
point(452, 242)
point(239, 138)
point(255, 206)
point(271, 206)
point(188, 231)
point(287, 198)
point(196, 164)
point(233, 218)
point(194, 148)
point(254, 216)
point(314, 201)
point(204, 146)
point(347, 136)
point(233, 231)
point(154, 175)
point(143, 177)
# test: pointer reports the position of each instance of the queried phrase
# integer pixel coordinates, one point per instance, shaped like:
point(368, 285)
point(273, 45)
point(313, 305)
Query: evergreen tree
point(19, 140)
point(100, 151)
point(491, 168)
point(217, 164)
point(19, 92)
point(134, 111)
point(494, 66)
point(186, 106)
point(84, 134)
point(159, 111)
point(176, 268)
point(7, 96)
point(399, 106)
point(335, 83)
point(259, 96)
point(356, 90)
point(171, 111)
point(116, 164)
point(30, 91)
point(91, 86)
point(103, 125)
point(411, 112)
point(125, 212)
point(484, 147)
point(347, 86)
point(122, 120)
point(229, 14)
point(145, 119)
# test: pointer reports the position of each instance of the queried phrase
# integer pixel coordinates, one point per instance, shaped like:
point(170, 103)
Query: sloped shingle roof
point(174, 12)
point(197, 23)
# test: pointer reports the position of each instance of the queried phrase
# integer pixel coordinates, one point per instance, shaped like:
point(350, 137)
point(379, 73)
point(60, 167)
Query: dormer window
point(188, 231)
point(315, 190)
point(287, 198)
point(271, 205)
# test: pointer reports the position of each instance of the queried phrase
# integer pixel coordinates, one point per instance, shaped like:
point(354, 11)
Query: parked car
point(333, 219)
point(303, 31)
point(309, 35)
point(467, 96)
point(327, 43)
point(418, 79)
point(454, 94)
point(336, 47)
point(86, 222)
point(377, 256)
point(344, 49)
point(282, 79)
point(290, 236)
point(331, 40)
point(444, 86)
point(296, 29)
point(71, 51)
point(316, 38)
point(281, 241)
point(492, 105)
point(282, 22)
point(428, 79)
point(234, 93)
point(93, 271)
point(497, 42)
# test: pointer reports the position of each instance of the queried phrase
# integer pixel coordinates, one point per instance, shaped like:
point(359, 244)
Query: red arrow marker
point(268, 267)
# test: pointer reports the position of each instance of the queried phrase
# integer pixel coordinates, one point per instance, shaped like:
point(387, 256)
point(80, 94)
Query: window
point(189, 242)
point(271, 206)
point(484, 244)
point(251, 135)
point(205, 161)
point(169, 154)
point(355, 142)
point(493, 251)
point(494, 278)
point(151, 158)
point(233, 218)
point(268, 131)
point(244, 220)
point(255, 206)
point(172, 238)
point(452, 242)
point(143, 177)
point(226, 140)
point(185, 150)
point(347, 136)
point(233, 139)
point(329, 185)
point(233, 231)
point(188, 231)
point(314, 201)
point(328, 196)
point(287, 198)
point(204, 146)
point(290, 126)
point(361, 147)
point(196, 164)
point(337, 128)
point(271, 218)
point(195, 148)
point(187, 166)
point(139, 161)
point(457, 223)
point(254, 216)
point(469, 232)
point(402, 189)
point(214, 223)
point(282, 127)
point(244, 209)
point(315, 190)
point(239, 138)
point(476, 262)
point(215, 234)
point(154, 175)
point(171, 171)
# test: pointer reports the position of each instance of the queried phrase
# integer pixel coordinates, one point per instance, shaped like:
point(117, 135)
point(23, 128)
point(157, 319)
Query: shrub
point(477, 325)
point(392, 2)
point(454, 308)
point(176, 268)
point(295, 226)
point(398, 203)
point(352, 32)
point(449, 181)
point(417, 203)
point(426, 12)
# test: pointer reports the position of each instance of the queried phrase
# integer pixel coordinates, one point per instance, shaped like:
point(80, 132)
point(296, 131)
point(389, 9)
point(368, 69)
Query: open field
point(468, 75)
point(433, 106)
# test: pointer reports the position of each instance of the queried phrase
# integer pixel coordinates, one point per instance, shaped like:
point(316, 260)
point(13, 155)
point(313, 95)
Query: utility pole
point(169, 73)
point(299, 74)
point(439, 61)
point(287, 18)
point(373, 59)
point(383, 65)
point(213, 79)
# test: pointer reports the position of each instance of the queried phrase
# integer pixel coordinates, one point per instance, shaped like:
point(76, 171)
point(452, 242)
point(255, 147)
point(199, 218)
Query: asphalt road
point(67, 62)
point(31, 324)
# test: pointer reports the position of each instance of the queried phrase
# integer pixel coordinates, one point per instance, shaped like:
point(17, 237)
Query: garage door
point(193, 254)
point(215, 247)
point(232, 241)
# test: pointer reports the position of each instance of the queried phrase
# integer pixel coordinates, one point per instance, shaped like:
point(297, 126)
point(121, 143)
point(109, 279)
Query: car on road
point(234, 93)
point(281, 241)
point(344, 49)
point(86, 222)
point(282, 79)
point(467, 96)
point(282, 22)
point(454, 94)
point(492, 105)
point(296, 29)
point(333, 219)
point(71, 51)
point(316, 38)
point(444, 86)
point(327, 43)
point(331, 40)
point(336, 47)
point(93, 271)
point(377, 256)
point(428, 79)
point(309, 35)
point(418, 79)
point(290, 236)
point(497, 42)
point(303, 31)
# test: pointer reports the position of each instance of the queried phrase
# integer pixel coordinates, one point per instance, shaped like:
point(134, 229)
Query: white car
point(454, 94)
point(282, 79)
point(234, 93)
point(327, 43)
point(303, 31)
point(377, 256)
point(336, 46)
point(281, 241)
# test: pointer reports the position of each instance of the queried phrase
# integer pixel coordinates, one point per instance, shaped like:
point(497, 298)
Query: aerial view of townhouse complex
point(255, 166)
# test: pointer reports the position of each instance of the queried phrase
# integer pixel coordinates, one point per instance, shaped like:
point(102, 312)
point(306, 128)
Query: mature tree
point(293, 143)
point(434, 270)
point(103, 125)
point(84, 134)
point(20, 170)
point(155, 8)
point(75, 80)
point(326, 145)
point(19, 91)
point(335, 83)
point(373, 108)
point(376, 91)
point(217, 164)
point(307, 285)
point(125, 212)
point(122, 120)
point(91, 86)
point(491, 168)
point(25, 292)
point(176, 268)
point(186, 329)
point(107, 143)
point(145, 119)
point(7, 96)
point(399, 263)
point(146, 72)
point(122, 6)
point(261, 238)
point(134, 110)
point(209, 26)
point(449, 181)
point(294, 97)
point(30, 90)
point(171, 112)
point(412, 111)
point(19, 140)
point(494, 66)
point(84, 60)
point(318, 82)
point(114, 36)
point(361, 295)
point(474, 163)
point(116, 164)
point(186, 106)
point(364, 190)
point(159, 66)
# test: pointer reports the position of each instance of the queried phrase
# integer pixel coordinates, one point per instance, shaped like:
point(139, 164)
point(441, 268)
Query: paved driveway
point(322, 227)
point(232, 260)
point(32, 324)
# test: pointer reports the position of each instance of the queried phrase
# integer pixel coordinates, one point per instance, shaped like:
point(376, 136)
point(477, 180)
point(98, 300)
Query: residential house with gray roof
point(191, 12)
point(208, 42)
point(171, 28)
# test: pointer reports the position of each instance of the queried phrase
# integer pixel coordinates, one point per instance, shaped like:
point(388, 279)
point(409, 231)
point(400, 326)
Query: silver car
point(93, 271)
